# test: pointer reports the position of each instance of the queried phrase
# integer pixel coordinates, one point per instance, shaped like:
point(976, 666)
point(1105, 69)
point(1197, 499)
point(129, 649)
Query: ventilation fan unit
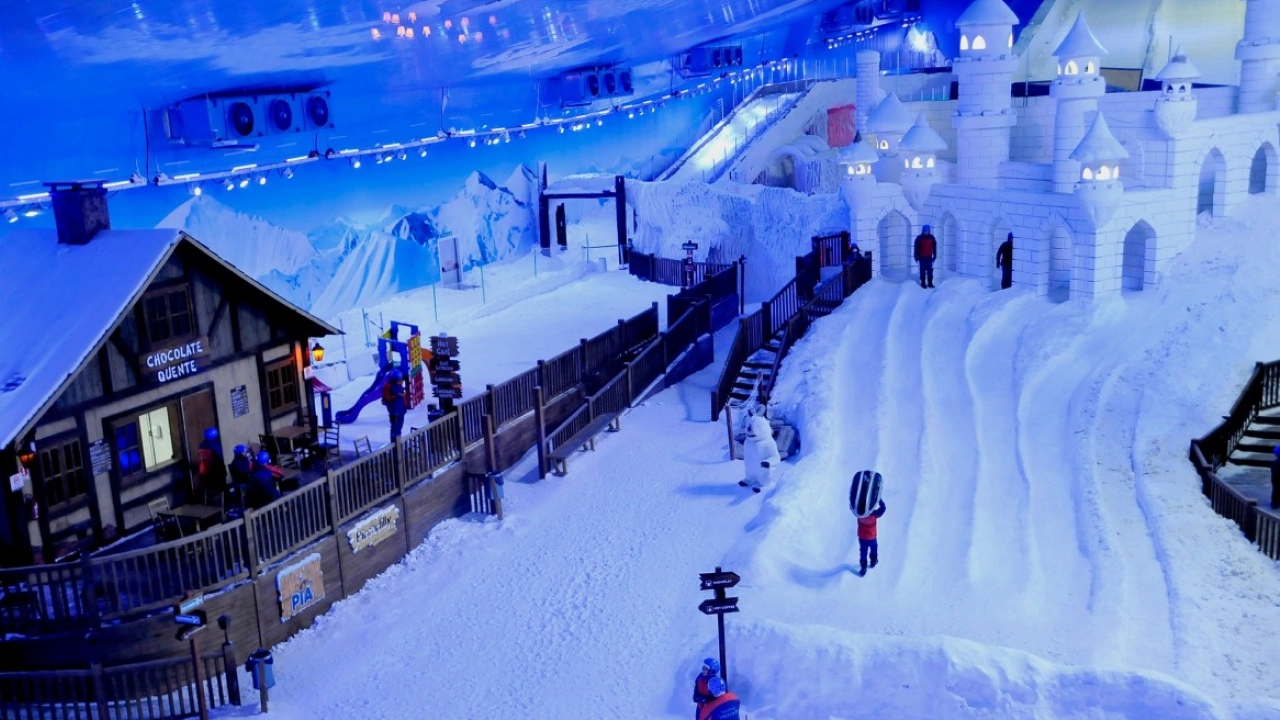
point(225, 120)
point(581, 87)
point(313, 109)
point(616, 82)
point(709, 59)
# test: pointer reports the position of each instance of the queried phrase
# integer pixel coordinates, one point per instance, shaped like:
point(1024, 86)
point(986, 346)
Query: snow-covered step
point(1257, 447)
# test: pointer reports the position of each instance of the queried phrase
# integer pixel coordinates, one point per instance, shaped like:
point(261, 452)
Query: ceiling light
point(244, 182)
point(471, 142)
point(10, 215)
point(31, 212)
point(355, 162)
point(561, 129)
point(403, 155)
point(377, 159)
point(262, 179)
point(287, 173)
point(196, 189)
point(422, 152)
point(229, 184)
point(136, 178)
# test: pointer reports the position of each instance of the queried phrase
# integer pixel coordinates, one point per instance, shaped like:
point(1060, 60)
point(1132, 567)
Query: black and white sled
point(864, 493)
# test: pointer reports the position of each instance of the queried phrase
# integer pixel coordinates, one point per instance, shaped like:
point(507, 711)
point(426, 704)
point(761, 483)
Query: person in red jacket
point(867, 542)
point(926, 253)
point(723, 705)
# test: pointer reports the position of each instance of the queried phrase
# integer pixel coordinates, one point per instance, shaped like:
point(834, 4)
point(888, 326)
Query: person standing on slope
point(1004, 261)
point(724, 705)
point(867, 538)
point(393, 399)
point(926, 253)
point(701, 692)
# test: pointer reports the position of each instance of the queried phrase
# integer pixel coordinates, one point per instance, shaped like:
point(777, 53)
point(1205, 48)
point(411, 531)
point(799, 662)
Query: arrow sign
point(719, 606)
point(188, 619)
point(711, 581)
point(191, 604)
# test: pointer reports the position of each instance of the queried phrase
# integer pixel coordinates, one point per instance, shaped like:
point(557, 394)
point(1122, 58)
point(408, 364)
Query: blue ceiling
point(84, 79)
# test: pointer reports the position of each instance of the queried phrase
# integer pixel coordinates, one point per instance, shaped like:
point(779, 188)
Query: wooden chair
point(165, 525)
point(282, 459)
point(363, 446)
point(326, 447)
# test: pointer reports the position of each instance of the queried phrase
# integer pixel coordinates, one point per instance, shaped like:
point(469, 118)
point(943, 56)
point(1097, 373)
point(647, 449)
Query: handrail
point(1259, 525)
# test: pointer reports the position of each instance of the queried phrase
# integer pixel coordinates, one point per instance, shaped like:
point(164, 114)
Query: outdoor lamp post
point(317, 353)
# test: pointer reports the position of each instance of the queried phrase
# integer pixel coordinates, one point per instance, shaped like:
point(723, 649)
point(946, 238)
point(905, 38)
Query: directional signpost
point(192, 619)
point(719, 581)
point(690, 267)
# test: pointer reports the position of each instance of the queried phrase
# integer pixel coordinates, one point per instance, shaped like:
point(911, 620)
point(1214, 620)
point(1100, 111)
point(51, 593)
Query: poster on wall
point(239, 401)
point(99, 457)
point(301, 585)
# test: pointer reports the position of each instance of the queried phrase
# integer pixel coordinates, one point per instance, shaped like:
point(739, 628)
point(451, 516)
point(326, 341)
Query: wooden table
point(202, 516)
point(291, 439)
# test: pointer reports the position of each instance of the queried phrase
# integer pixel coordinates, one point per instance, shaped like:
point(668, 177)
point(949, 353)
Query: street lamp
point(317, 352)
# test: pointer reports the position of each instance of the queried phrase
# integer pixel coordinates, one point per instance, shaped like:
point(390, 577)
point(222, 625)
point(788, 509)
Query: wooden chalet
point(118, 349)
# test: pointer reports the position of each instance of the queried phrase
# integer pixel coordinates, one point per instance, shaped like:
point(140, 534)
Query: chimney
point(79, 210)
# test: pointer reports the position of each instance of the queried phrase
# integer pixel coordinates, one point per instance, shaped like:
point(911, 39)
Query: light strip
point(34, 196)
point(239, 168)
point(186, 176)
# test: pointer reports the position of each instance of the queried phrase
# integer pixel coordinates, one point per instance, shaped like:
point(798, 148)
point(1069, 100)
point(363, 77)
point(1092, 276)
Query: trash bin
point(261, 658)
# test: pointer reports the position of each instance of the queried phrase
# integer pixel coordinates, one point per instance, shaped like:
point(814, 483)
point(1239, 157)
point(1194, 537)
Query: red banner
point(841, 126)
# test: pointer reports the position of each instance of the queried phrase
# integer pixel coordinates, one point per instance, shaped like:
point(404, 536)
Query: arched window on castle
point(1090, 68)
point(964, 42)
point(1088, 174)
point(979, 42)
point(1104, 173)
point(929, 163)
point(916, 163)
point(1072, 68)
point(884, 144)
point(1010, 39)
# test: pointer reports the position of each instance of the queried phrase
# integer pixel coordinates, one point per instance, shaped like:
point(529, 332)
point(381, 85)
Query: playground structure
point(394, 353)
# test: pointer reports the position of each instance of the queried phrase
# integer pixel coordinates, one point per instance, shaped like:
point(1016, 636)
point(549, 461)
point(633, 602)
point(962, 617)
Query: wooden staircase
point(754, 374)
point(1257, 447)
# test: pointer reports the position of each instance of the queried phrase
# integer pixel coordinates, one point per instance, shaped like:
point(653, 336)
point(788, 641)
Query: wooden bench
point(584, 439)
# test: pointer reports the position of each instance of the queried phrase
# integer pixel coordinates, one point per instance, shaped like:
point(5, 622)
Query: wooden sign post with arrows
point(718, 606)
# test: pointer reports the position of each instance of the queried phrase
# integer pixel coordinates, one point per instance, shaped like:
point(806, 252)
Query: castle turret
point(1077, 88)
point(984, 72)
point(858, 186)
point(1176, 108)
point(919, 150)
point(1098, 187)
point(1259, 56)
point(868, 94)
point(889, 122)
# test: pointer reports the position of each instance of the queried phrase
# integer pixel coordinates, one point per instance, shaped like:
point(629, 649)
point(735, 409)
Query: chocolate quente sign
point(176, 361)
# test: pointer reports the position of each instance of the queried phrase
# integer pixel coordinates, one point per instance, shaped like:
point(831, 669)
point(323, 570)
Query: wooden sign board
point(373, 529)
point(301, 585)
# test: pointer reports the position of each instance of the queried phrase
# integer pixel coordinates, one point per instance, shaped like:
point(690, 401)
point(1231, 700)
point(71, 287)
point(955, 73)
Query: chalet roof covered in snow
point(1080, 41)
point(1178, 68)
point(1099, 144)
point(987, 12)
point(72, 297)
point(889, 116)
point(922, 138)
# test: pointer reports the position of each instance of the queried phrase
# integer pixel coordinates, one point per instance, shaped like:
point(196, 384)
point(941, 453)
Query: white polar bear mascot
point(760, 451)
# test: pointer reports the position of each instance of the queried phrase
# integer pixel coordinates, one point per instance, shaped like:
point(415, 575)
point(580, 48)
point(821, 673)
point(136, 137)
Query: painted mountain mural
point(343, 264)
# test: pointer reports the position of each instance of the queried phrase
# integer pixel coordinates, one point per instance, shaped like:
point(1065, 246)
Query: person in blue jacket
point(262, 482)
point(701, 693)
point(723, 705)
point(393, 399)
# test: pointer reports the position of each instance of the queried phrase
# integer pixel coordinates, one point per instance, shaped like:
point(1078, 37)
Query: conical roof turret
point(922, 138)
point(987, 12)
point(890, 116)
point(1178, 68)
point(1099, 144)
point(859, 151)
point(1080, 41)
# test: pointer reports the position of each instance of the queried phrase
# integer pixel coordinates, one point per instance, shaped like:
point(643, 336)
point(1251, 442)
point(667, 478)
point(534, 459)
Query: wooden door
point(198, 414)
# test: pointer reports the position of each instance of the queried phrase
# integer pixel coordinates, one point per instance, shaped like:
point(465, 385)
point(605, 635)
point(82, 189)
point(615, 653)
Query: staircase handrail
point(1259, 525)
point(726, 165)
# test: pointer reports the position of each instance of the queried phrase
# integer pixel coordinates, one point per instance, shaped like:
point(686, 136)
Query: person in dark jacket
point(868, 544)
point(926, 253)
point(702, 693)
point(240, 470)
point(262, 482)
point(211, 468)
point(393, 399)
point(1004, 261)
point(723, 705)
point(1275, 480)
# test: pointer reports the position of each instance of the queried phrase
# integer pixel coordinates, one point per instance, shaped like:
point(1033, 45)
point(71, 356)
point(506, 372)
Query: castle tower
point(1176, 108)
point(1077, 88)
point(858, 186)
point(1098, 187)
point(919, 151)
point(984, 72)
point(888, 123)
point(1259, 56)
point(868, 94)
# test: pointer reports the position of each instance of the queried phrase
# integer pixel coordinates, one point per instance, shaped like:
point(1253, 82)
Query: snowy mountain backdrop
point(344, 264)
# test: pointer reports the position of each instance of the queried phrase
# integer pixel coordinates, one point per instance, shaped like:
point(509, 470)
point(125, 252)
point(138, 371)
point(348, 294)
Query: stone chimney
point(79, 210)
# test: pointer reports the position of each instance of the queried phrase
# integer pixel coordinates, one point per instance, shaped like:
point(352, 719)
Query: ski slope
point(729, 138)
point(1046, 551)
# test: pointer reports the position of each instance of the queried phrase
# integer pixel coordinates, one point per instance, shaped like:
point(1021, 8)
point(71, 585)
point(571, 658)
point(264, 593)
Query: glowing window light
point(1104, 173)
point(1072, 68)
point(916, 163)
point(929, 163)
point(1088, 174)
point(1010, 39)
point(979, 42)
point(1115, 174)
point(906, 163)
point(377, 35)
point(964, 42)
point(884, 144)
point(1090, 68)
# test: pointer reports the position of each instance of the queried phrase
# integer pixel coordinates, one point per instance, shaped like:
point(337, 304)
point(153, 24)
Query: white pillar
point(868, 92)
point(1259, 56)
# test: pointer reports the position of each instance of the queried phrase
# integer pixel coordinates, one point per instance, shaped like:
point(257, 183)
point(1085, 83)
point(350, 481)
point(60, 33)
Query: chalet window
point(62, 473)
point(168, 316)
point(282, 386)
point(146, 442)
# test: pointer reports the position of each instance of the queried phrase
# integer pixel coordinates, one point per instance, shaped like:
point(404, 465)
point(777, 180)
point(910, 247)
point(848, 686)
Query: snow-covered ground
point(1046, 551)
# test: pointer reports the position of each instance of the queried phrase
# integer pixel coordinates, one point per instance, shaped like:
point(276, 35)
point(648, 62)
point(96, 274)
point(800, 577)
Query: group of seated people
point(249, 481)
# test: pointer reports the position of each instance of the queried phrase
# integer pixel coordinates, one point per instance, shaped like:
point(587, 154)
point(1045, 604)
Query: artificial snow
point(1046, 554)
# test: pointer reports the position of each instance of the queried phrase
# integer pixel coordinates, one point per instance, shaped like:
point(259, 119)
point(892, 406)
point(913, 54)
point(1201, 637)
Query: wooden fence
point(1260, 525)
point(756, 329)
point(667, 271)
point(154, 690)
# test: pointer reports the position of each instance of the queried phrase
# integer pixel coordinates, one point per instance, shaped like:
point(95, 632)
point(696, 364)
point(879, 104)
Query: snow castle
point(1099, 189)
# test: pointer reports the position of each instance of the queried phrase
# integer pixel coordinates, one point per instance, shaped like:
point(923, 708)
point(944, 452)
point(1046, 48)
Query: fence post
point(491, 463)
point(233, 677)
point(490, 402)
point(98, 690)
point(630, 392)
point(540, 421)
point(742, 284)
point(90, 589)
point(251, 543)
point(583, 365)
point(728, 424)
